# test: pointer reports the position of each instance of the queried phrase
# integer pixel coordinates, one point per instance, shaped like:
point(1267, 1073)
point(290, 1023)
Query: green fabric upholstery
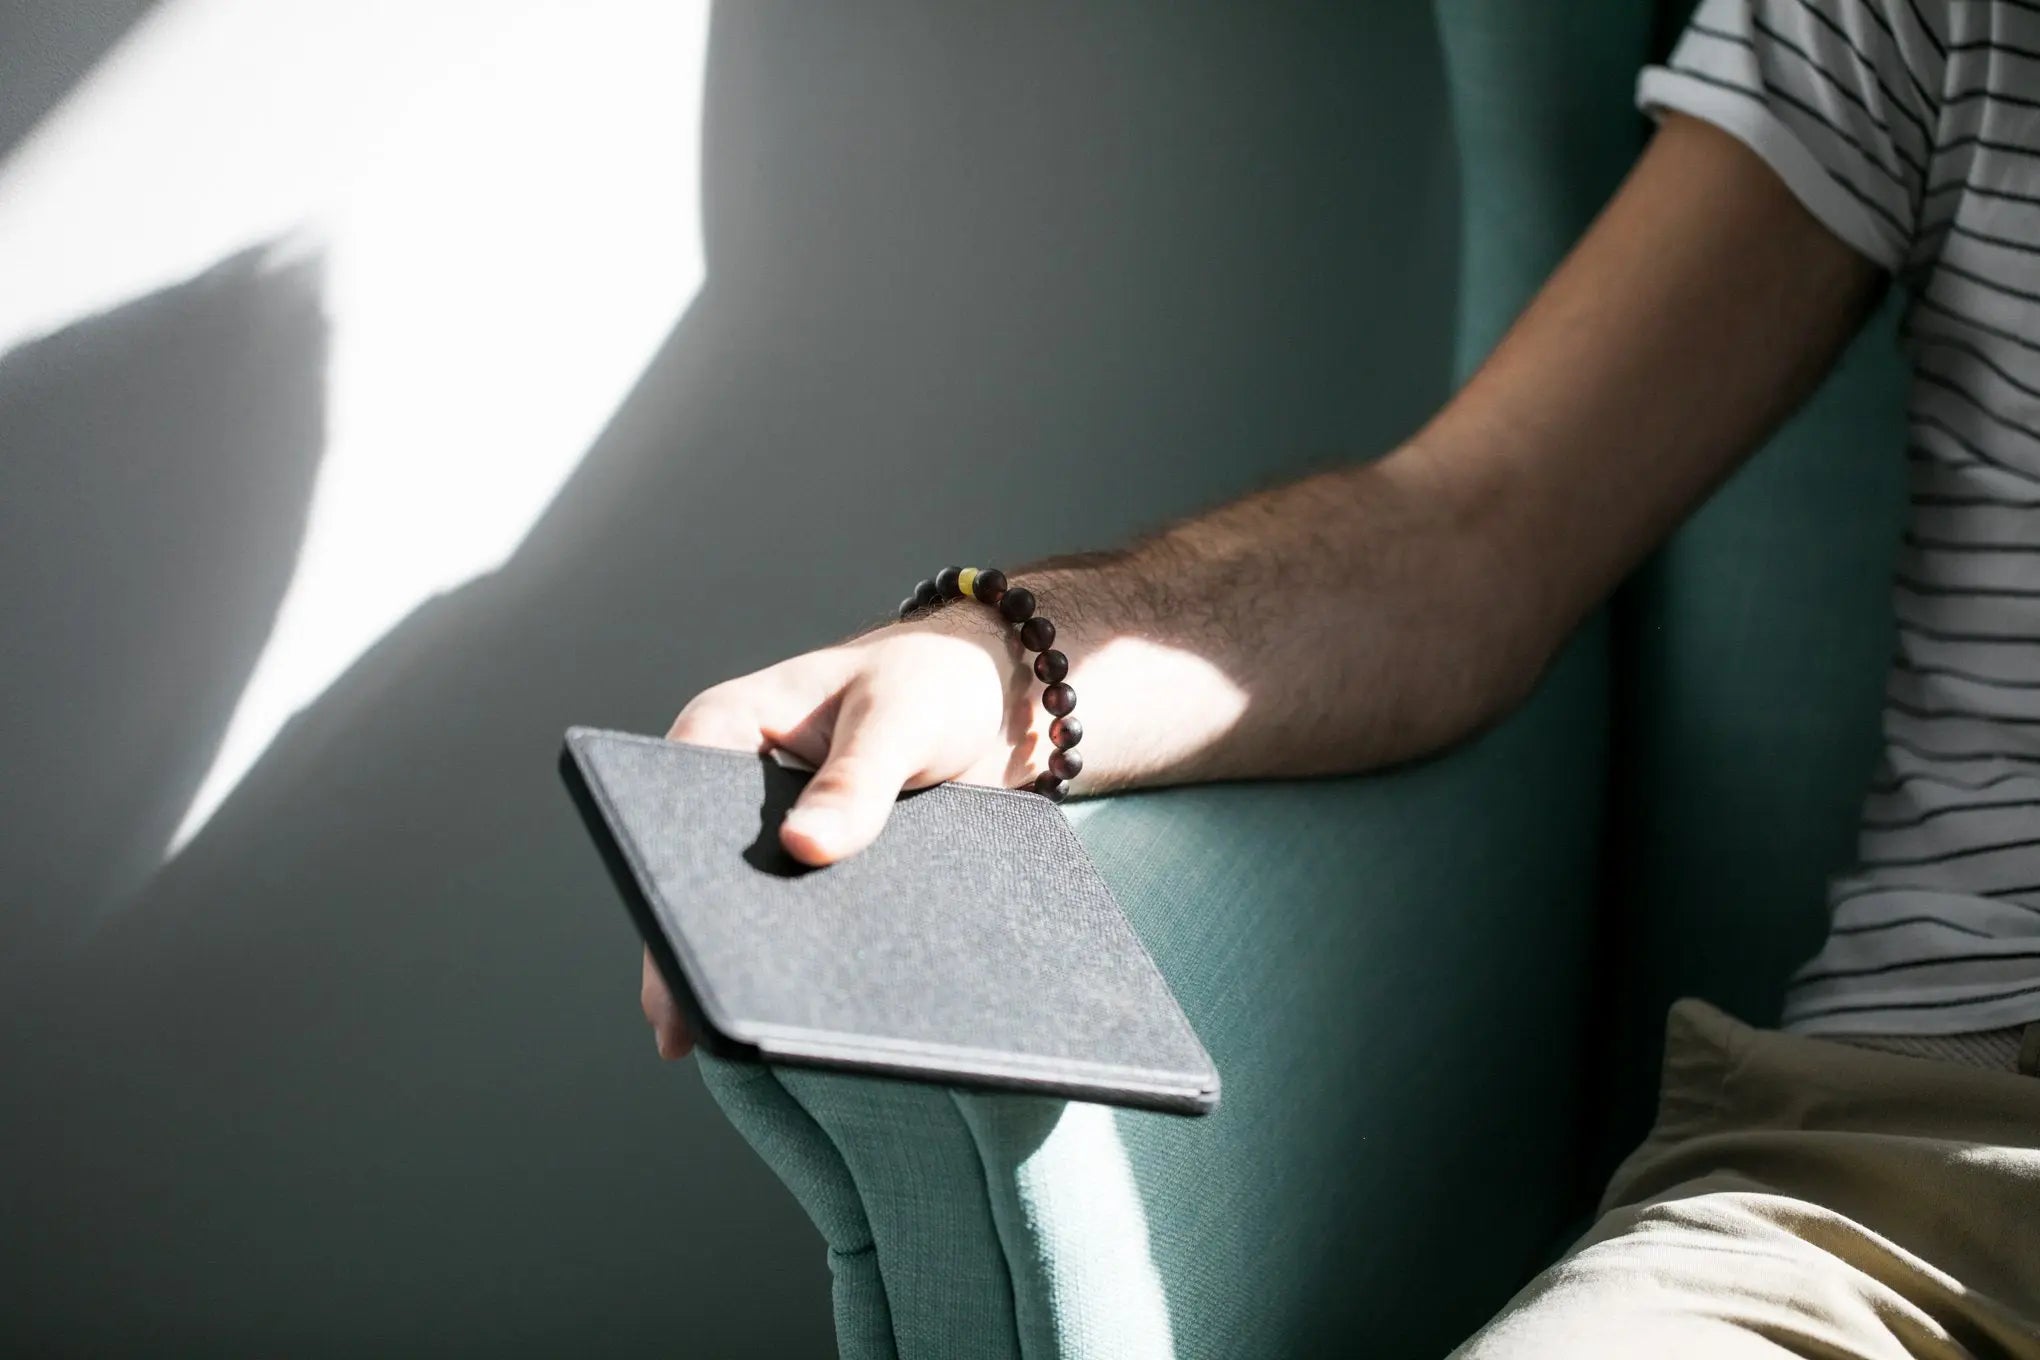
point(1385, 1084)
point(1317, 933)
point(808, 1160)
point(1540, 111)
point(1435, 995)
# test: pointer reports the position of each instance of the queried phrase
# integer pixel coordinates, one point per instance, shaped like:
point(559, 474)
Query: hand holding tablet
point(973, 943)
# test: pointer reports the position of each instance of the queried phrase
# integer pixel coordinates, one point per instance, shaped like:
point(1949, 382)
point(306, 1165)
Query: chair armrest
point(1390, 972)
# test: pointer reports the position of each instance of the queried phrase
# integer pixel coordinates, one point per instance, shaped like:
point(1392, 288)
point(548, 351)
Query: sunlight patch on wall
point(505, 197)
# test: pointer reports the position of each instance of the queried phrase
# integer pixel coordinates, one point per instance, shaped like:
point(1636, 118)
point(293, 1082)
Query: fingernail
point(820, 825)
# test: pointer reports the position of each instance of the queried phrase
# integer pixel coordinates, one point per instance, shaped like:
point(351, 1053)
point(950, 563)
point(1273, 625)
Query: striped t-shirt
point(1911, 128)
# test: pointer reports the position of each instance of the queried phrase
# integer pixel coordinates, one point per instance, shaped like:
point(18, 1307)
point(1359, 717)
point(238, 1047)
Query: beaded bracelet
point(1016, 606)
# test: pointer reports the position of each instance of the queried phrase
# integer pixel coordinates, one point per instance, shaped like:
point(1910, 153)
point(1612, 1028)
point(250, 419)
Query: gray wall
point(362, 1068)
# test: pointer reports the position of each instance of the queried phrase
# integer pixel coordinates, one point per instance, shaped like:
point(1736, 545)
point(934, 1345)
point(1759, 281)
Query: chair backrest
point(1746, 658)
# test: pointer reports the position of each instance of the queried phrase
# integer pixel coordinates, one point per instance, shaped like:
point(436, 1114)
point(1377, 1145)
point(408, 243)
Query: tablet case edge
point(829, 1051)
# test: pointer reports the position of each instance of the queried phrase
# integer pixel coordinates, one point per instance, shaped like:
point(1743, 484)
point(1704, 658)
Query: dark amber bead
point(1037, 635)
point(989, 585)
point(945, 581)
point(1065, 764)
point(1059, 699)
point(1066, 732)
point(1017, 604)
point(1050, 667)
point(926, 594)
point(1049, 787)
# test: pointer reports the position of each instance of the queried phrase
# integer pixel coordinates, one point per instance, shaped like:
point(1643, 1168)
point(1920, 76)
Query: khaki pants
point(1802, 1197)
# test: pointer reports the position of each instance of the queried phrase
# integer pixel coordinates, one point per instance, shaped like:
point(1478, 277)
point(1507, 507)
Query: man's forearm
point(1374, 613)
point(1336, 623)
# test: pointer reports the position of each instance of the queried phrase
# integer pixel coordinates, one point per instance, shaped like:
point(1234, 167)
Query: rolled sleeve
point(1831, 94)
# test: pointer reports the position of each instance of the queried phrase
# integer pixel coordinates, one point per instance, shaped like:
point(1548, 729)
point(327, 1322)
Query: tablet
point(973, 944)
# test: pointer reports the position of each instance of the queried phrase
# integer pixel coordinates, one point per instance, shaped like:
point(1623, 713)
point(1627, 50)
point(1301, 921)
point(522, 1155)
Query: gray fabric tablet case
point(974, 943)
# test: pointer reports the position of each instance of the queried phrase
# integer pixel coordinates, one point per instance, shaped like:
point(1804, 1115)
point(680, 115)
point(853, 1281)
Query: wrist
point(1011, 623)
point(989, 675)
point(1154, 700)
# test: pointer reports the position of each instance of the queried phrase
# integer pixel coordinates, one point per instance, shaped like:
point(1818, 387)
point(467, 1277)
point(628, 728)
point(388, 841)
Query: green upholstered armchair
point(1434, 994)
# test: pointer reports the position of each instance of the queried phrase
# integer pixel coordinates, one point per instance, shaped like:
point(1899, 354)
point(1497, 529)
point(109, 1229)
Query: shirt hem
point(1899, 1015)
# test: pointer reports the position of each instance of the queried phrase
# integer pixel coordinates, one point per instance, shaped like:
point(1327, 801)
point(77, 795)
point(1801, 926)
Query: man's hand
point(902, 707)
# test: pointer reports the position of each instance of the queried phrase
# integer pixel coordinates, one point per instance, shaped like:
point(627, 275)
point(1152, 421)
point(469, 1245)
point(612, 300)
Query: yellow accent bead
point(965, 578)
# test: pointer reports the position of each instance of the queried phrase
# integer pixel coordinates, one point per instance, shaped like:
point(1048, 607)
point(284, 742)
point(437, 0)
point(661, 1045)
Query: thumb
point(844, 807)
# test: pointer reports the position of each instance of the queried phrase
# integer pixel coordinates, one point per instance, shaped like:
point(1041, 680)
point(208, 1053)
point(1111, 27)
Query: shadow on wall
point(364, 1061)
point(159, 462)
point(65, 41)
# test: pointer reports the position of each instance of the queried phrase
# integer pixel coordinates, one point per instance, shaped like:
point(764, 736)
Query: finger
point(870, 758)
point(668, 1028)
point(791, 705)
point(710, 720)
